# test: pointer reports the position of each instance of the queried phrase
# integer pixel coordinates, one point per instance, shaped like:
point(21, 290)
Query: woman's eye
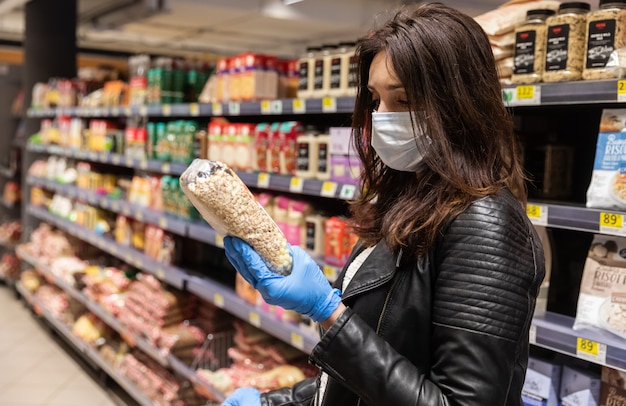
point(403, 102)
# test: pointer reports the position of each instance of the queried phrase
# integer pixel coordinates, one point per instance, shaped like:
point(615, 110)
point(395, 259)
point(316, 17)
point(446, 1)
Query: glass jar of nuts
point(605, 56)
point(565, 46)
point(530, 47)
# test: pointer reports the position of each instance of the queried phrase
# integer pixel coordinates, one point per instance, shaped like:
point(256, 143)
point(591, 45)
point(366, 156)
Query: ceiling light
point(290, 2)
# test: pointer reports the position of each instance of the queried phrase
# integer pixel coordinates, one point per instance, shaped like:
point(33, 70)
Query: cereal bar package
point(602, 298)
point(607, 189)
point(226, 203)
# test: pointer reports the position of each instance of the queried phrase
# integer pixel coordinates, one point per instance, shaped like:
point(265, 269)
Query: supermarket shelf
point(85, 349)
point(578, 218)
point(265, 107)
point(261, 180)
point(165, 360)
point(226, 298)
point(167, 273)
point(564, 93)
point(554, 331)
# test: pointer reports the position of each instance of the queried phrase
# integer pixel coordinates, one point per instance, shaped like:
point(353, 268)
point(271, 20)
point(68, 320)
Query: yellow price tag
point(533, 210)
point(216, 109)
point(329, 105)
point(219, 240)
point(115, 158)
point(587, 346)
point(139, 216)
point(163, 222)
point(525, 92)
point(296, 185)
point(299, 106)
point(166, 109)
point(329, 271)
point(266, 107)
point(328, 189)
point(263, 181)
point(128, 259)
point(612, 220)
point(165, 167)
point(143, 111)
point(297, 340)
point(143, 163)
point(621, 87)
point(194, 109)
point(254, 319)
point(218, 300)
point(160, 273)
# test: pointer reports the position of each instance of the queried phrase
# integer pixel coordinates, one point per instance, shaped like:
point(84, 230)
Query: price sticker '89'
point(591, 350)
point(611, 220)
point(587, 346)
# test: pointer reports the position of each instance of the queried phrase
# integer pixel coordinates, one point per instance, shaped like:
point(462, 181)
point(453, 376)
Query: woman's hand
point(306, 290)
point(244, 397)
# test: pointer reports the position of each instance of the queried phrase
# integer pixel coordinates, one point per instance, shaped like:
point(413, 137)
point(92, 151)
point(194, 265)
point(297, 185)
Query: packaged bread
point(226, 203)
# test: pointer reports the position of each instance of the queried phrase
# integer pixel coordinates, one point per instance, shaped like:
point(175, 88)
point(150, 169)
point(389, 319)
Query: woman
point(438, 296)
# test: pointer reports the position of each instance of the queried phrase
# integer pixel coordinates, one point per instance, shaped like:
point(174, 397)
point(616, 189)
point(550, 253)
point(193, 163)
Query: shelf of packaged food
point(565, 93)
point(110, 320)
point(225, 298)
point(83, 348)
point(327, 105)
point(260, 180)
point(577, 217)
point(555, 332)
point(167, 273)
point(222, 296)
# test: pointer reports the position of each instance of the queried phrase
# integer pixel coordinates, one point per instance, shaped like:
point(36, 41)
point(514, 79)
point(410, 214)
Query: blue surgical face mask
point(396, 142)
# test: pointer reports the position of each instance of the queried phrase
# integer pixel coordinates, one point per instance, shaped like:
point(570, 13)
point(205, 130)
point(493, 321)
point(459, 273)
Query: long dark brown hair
point(443, 59)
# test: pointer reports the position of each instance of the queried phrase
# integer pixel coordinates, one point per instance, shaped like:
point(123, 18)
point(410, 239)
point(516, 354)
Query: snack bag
point(227, 204)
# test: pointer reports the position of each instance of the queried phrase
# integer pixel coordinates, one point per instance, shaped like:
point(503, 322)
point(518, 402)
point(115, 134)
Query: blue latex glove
point(306, 290)
point(244, 397)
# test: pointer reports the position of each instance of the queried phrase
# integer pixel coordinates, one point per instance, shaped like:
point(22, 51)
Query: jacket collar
point(377, 269)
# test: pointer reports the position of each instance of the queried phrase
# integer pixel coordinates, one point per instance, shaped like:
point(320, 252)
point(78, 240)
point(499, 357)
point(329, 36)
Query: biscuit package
point(607, 189)
point(227, 204)
point(602, 298)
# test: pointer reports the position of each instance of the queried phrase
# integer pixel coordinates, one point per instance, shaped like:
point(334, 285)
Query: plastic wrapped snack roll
point(226, 203)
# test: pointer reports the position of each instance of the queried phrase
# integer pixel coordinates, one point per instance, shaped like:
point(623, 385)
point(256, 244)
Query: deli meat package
point(227, 204)
point(602, 298)
point(607, 189)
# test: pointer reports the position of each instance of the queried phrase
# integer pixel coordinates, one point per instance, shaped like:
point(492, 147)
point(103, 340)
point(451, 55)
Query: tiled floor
point(34, 368)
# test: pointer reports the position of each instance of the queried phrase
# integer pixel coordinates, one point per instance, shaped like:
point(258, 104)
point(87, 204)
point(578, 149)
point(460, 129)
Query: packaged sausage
point(226, 203)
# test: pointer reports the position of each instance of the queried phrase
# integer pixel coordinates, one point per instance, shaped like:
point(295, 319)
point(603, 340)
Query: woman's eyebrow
point(391, 86)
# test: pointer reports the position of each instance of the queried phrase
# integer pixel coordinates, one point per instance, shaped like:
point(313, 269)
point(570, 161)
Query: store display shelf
point(256, 108)
point(554, 331)
point(577, 218)
point(565, 93)
point(168, 361)
point(225, 298)
point(260, 180)
point(167, 273)
point(83, 348)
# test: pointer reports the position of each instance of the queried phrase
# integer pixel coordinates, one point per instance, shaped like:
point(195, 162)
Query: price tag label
point(347, 192)
point(299, 106)
point(129, 161)
point(219, 241)
point(234, 108)
point(538, 214)
point(591, 350)
point(115, 111)
point(621, 90)
point(163, 222)
point(528, 95)
point(329, 271)
point(532, 334)
point(103, 157)
point(166, 109)
point(139, 216)
point(276, 107)
point(128, 111)
point(296, 185)
point(329, 105)
point(115, 158)
point(266, 107)
point(165, 167)
point(297, 341)
point(263, 181)
point(93, 156)
point(218, 300)
point(216, 109)
point(128, 259)
point(328, 189)
point(143, 110)
point(114, 250)
point(160, 273)
point(194, 109)
point(115, 206)
point(143, 163)
point(612, 223)
point(126, 210)
point(254, 319)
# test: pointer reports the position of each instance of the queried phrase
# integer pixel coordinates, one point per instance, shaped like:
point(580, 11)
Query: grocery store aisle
point(34, 369)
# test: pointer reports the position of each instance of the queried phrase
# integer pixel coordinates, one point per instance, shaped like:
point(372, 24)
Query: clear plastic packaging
point(530, 47)
point(605, 55)
point(226, 203)
point(565, 51)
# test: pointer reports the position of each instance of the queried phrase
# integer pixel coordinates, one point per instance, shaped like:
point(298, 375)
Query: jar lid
point(605, 2)
point(575, 4)
point(541, 12)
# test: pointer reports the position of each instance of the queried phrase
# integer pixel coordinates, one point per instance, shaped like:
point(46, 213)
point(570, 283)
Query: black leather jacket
point(448, 329)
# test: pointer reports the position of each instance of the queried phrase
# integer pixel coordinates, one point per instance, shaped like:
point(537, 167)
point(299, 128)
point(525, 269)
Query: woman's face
point(388, 93)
